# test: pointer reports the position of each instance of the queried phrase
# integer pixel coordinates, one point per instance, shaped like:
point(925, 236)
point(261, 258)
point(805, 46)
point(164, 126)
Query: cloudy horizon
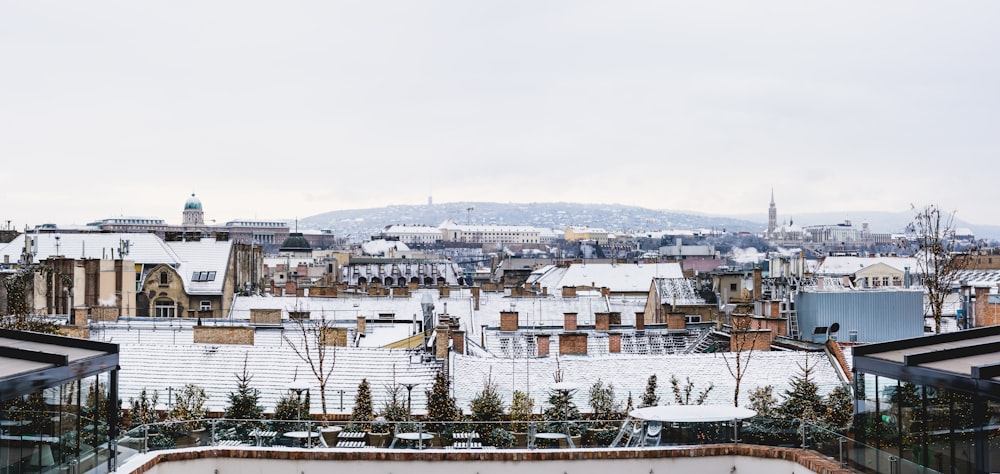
point(275, 110)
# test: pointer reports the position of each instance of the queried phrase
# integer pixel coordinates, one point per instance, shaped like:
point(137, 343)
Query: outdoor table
point(419, 437)
point(569, 441)
point(301, 435)
point(682, 414)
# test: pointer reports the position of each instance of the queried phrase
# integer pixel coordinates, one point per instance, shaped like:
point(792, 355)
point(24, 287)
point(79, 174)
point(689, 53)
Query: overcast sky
point(284, 109)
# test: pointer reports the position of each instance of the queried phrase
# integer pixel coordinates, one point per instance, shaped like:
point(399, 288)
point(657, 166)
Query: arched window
point(164, 309)
point(164, 279)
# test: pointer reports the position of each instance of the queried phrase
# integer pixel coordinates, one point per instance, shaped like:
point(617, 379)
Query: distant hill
point(878, 221)
point(359, 224)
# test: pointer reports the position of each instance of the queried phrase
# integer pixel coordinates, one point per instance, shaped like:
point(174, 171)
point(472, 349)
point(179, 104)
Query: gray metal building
point(870, 315)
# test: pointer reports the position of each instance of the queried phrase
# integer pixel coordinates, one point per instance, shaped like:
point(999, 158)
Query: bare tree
point(938, 257)
point(314, 343)
point(741, 349)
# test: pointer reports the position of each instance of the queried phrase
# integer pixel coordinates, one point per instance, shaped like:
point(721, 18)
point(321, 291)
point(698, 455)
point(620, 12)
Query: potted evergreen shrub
point(188, 414)
point(604, 411)
point(521, 408)
point(487, 410)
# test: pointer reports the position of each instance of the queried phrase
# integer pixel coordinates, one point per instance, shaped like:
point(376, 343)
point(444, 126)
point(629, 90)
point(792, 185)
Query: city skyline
point(276, 113)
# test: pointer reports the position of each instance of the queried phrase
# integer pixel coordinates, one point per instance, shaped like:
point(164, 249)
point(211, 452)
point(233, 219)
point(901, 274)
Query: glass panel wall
point(932, 426)
point(56, 428)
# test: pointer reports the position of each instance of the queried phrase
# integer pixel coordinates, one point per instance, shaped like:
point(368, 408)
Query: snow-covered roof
point(848, 265)
point(412, 229)
point(620, 278)
point(207, 255)
point(452, 225)
point(677, 291)
point(383, 247)
point(630, 373)
point(990, 278)
point(142, 249)
point(272, 367)
point(582, 229)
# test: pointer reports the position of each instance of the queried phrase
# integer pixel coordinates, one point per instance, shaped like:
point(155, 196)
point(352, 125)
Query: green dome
point(295, 242)
point(192, 203)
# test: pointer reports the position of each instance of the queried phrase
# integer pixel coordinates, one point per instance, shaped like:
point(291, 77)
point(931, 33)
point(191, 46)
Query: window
point(164, 279)
point(203, 276)
point(693, 318)
point(732, 287)
point(205, 305)
point(164, 309)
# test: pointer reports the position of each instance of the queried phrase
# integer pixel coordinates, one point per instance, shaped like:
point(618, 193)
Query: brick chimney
point(361, 325)
point(569, 322)
point(979, 310)
point(508, 321)
point(475, 296)
point(441, 342)
point(444, 291)
point(573, 343)
point(569, 292)
point(290, 287)
point(602, 321)
point(543, 345)
point(676, 321)
point(614, 342)
point(458, 341)
point(758, 283)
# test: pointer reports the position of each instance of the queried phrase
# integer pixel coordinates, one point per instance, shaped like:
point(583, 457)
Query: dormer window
point(203, 276)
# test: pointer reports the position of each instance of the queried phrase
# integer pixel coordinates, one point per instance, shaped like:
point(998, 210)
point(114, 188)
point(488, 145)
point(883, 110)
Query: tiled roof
point(629, 374)
point(156, 366)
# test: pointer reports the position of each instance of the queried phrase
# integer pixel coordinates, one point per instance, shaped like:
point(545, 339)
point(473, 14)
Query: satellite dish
point(834, 327)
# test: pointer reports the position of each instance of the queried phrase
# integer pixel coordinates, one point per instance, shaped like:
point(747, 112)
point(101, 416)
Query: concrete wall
point(743, 459)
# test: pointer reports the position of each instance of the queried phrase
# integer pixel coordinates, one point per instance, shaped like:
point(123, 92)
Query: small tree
point(741, 350)
point(763, 402)
point(441, 406)
point(562, 411)
point(802, 400)
point(683, 395)
point(394, 407)
point(244, 403)
point(938, 256)
point(487, 410)
point(650, 398)
point(314, 343)
point(290, 408)
point(189, 407)
point(602, 401)
point(20, 314)
point(363, 413)
point(839, 408)
point(521, 408)
point(143, 411)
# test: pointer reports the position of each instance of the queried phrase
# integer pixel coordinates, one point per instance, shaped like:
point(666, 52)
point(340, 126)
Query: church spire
point(772, 216)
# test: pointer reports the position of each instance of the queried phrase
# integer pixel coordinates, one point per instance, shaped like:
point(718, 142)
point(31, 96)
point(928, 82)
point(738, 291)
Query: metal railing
point(540, 434)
